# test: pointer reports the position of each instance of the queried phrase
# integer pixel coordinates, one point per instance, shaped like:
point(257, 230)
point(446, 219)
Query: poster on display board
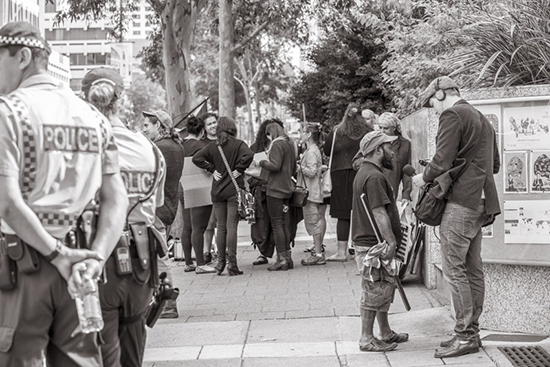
point(515, 172)
point(540, 172)
point(487, 232)
point(526, 127)
point(527, 222)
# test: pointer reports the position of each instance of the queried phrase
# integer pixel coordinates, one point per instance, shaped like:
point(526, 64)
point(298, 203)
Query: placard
point(515, 172)
point(257, 171)
point(197, 185)
point(527, 222)
point(540, 172)
point(526, 127)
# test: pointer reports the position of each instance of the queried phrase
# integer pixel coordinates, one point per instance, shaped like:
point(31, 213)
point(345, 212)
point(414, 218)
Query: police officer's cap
point(22, 34)
point(103, 75)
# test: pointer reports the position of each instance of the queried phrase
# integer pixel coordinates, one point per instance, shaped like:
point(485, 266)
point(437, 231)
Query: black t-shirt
point(377, 188)
point(192, 146)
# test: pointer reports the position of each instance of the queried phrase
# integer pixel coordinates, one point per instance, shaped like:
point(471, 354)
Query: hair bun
point(101, 94)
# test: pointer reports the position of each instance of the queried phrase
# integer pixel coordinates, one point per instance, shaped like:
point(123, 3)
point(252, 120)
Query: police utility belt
point(136, 254)
point(16, 255)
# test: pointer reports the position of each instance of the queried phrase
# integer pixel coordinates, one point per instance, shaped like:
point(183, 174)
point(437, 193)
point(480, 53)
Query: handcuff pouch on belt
point(8, 271)
point(25, 256)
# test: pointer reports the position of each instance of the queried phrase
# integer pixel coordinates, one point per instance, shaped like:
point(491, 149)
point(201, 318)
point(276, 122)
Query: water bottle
point(88, 307)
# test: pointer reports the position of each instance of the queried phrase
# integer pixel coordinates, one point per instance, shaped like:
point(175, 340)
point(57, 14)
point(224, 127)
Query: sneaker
point(169, 314)
point(189, 268)
point(314, 260)
point(204, 269)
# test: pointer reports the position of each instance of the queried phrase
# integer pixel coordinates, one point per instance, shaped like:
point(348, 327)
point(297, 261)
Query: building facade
point(89, 44)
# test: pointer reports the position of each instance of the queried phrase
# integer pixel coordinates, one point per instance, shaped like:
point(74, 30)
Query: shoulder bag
point(245, 200)
point(326, 180)
point(432, 198)
point(299, 194)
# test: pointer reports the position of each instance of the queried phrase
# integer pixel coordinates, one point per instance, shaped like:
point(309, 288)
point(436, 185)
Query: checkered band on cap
point(23, 41)
point(61, 220)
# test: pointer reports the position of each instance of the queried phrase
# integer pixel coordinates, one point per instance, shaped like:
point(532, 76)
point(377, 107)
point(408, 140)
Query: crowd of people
point(83, 197)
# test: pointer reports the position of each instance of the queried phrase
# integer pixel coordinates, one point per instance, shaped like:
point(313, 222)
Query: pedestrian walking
point(309, 176)
point(234, 153)
point(465, 160)
point(57, 153)
point(281, 164)
point(160, 129)
point(195, 220)
point(377, 279)
point(347, 136)
point(128, 292)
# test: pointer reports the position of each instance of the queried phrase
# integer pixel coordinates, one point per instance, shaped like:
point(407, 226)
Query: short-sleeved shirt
point(139, 169)
point(371, 181)
point(58, 147)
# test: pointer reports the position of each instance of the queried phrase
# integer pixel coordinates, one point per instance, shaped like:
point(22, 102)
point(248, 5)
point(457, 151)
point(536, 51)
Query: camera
point(161, 295)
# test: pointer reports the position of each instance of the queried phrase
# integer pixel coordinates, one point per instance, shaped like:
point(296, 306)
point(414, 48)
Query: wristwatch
point(55, 253)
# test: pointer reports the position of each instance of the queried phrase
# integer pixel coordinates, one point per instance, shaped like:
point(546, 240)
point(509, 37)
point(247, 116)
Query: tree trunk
point(227, 83)
point(178, 24)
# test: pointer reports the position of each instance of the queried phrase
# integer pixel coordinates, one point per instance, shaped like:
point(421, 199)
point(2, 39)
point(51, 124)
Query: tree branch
point(158, 5)
point(240, 45)
point(258, 69)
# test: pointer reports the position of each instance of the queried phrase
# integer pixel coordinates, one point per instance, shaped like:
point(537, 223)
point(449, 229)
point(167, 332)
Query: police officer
point(128, 290)
point(56, 153)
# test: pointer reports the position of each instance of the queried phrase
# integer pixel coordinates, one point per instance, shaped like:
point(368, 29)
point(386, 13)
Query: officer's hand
point(217, 176)
point(69, 256)
point(86, 269)
point(418, 180)
point(236, 174)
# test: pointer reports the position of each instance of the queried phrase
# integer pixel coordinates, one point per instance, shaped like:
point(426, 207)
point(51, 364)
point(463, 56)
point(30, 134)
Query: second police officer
point(131, 270)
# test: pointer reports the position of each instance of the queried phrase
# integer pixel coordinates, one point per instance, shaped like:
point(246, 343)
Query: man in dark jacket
point(472, 202)
point(159, 128)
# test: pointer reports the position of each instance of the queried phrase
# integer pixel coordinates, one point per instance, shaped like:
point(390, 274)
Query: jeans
point(227, 221)
point(462, 265)
point(281, 233)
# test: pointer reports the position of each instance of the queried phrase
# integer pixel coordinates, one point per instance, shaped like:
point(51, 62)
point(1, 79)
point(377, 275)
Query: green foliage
point(347, 64)
point(143, 95)
point(509, 45)
point(151, 55)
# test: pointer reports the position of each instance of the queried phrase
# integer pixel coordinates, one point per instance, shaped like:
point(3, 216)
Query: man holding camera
point(465, 165)
point(56, 154)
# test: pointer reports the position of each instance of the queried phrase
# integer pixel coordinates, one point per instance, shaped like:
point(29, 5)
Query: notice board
point(521, 233)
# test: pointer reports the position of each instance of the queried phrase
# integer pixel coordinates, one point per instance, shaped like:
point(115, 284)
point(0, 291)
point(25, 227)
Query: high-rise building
point(89, 44)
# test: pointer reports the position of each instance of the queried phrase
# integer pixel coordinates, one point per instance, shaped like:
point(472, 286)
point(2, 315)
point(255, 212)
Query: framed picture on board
point(540, 172)
point(515, 172)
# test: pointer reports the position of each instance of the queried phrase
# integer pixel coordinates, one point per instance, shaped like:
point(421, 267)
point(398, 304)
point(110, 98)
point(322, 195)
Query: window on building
point(136, 16)
point(89, 59)
point(76, 34)
point(50, 8)
point(137, 33)
point(136, 25)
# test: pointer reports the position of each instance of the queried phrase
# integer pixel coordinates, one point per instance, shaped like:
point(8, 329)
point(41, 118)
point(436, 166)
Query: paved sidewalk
point(308, 316)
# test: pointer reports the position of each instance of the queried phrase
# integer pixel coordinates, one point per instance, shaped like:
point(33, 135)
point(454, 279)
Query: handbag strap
point(332, 149)
point(471, 157)
point(228, 168)
point(301, 170)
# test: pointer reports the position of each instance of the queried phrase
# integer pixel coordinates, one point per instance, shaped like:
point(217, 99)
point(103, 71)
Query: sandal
point(396, 338)
point(376, 345)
